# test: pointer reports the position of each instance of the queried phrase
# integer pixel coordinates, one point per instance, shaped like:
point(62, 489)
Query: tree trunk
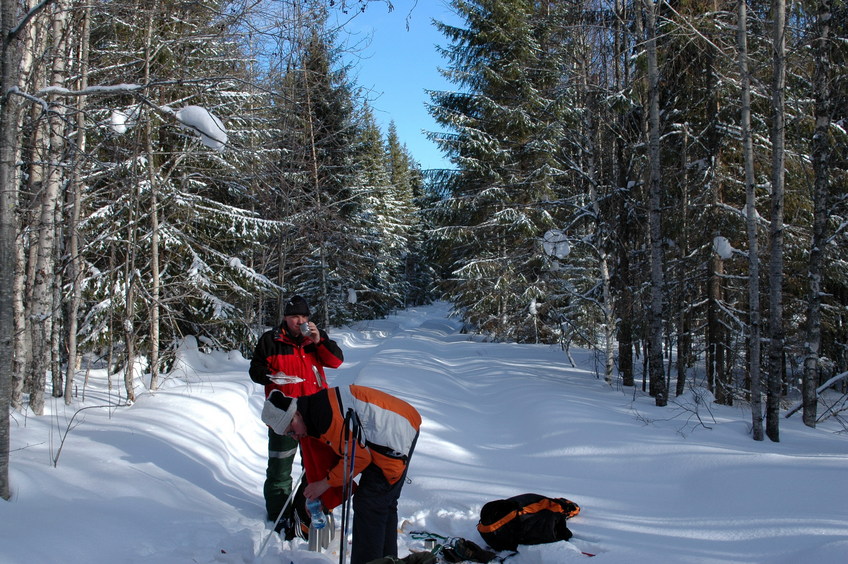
point(154, 275)
point(129, 313)
point(45, 272)
point(657, 374)
point(600, 237)
point(110, 348)
point(131, 279)
point(154, 219)
point(31, 184)
point(21, 342)
point(821, 169)
point(74, 261)
point(683, 339)
point(57, 378)
point(776, 330)
point(624, 301)
point(22, 336)
point(716, 333)
point(754, 322)
point(9, 110)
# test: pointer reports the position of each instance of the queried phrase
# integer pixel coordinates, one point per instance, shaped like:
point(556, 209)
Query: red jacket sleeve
point(328, 351)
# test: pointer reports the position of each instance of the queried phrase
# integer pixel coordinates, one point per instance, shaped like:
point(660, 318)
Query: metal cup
point(304, 329)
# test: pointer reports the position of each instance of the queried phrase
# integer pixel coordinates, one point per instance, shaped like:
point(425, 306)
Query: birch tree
point(31, 41)
point(778, 124)
point(44, 307)
point(821, 147)
point(751, 217)
point(152, 179)
point(10, 18)
point(655, 332)
point(75, 192)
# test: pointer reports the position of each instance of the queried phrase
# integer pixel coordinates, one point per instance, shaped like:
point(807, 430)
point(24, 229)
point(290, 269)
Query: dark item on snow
point(463, 550)
point(525, 519)
point(296, 519)
point(412, 558)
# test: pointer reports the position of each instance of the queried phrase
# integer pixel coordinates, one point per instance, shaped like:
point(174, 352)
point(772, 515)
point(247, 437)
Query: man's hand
point(314, 333)
point(316, 489)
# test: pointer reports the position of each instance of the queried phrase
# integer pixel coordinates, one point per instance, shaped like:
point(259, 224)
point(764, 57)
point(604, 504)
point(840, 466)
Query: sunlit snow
point(176, 478)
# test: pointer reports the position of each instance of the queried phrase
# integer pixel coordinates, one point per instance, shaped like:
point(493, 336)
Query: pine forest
point(662, 182)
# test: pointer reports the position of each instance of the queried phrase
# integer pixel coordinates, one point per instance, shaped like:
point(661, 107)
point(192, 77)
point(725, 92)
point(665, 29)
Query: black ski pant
point(375, 516)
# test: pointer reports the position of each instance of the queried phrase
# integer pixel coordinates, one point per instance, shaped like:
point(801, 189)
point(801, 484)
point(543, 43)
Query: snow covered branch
point(819, 390)
point(34, 11)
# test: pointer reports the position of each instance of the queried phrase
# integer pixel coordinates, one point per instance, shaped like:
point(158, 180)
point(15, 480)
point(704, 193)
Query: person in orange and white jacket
point(288, 360)
point(388, 430)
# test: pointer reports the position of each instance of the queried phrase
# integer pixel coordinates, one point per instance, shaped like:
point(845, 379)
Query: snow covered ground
point(177, 477)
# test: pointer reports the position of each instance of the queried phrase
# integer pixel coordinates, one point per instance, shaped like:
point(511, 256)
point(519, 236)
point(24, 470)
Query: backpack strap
point(541, 505)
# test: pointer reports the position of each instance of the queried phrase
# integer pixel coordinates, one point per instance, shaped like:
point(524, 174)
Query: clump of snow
point(722, 247)
point(555, 243)
point(201, 121)
point(120, 121)
point(210, 129)
point(755, 213)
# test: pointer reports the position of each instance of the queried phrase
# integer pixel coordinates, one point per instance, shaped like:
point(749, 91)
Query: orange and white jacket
point(389, 427)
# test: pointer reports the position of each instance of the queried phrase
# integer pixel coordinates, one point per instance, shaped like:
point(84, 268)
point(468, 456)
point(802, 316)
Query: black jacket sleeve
point(259, 364)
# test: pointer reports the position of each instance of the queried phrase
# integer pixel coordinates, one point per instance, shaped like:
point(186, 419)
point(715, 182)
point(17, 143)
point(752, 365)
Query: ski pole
point(343, 540)
point(349, 488)
point(295, 486)
point(351, 436)
point(345, 487)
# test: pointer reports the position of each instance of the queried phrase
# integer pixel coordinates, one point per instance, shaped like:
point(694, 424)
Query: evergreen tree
point(323, 244)
point(406, 177)
point(384, 223)
point(168, 218)
point(507, 125)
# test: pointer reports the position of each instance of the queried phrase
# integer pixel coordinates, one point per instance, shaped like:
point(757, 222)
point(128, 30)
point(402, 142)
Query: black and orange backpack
point(525, 519)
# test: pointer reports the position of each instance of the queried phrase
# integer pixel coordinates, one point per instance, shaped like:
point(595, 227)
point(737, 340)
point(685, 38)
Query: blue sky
point(398, 64)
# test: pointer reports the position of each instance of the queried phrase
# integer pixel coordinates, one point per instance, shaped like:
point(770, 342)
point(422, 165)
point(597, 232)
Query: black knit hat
point(296, 306)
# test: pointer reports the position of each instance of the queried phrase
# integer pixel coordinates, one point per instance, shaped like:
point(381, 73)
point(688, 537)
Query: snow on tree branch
point(209, 127)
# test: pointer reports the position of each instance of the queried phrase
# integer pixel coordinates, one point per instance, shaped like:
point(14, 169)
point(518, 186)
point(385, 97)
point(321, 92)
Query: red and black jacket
point(293, 355)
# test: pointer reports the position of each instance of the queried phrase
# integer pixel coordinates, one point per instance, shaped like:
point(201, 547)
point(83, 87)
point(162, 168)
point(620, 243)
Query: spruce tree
point(322, 250)
point(418, 277)
point(381, 234)
point(169, 219)
point(506, 127)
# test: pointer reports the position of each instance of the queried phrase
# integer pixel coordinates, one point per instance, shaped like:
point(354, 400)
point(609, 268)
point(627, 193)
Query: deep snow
point(177, 477)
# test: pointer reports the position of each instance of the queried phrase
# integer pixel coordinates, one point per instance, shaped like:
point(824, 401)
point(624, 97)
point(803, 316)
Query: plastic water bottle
point(316, 513)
